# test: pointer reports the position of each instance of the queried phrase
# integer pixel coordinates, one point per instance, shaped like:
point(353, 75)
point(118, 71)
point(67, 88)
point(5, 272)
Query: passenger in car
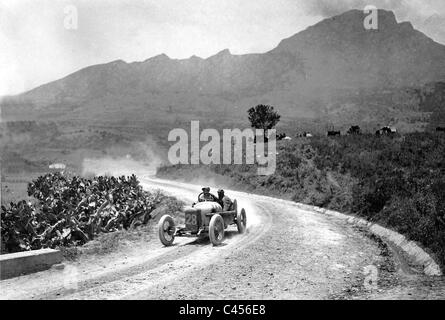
point(225, 202)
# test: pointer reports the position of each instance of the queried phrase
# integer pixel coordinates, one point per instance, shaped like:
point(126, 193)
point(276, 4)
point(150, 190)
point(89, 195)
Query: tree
point(263, 117)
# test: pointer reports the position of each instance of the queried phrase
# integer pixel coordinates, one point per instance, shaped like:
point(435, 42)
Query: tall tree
point(263, 117)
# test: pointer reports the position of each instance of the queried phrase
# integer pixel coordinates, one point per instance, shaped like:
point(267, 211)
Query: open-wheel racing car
point(202, 219)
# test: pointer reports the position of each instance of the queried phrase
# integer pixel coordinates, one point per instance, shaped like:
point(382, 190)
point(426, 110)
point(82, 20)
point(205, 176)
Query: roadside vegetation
point(66, 210)
point(395, 180)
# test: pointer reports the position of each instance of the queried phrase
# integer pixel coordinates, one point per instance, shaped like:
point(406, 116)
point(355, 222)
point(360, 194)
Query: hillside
point(329, 70)
point(397, 181)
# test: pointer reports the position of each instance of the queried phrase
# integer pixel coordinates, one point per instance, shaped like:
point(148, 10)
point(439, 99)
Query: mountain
point(329, 70)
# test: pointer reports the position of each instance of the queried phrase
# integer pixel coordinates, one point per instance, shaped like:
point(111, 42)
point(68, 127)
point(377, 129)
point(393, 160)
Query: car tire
point(216, 230)
point(241, 221)
point(167, 230)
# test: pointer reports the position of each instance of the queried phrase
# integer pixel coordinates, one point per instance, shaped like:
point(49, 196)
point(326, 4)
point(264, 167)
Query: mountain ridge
point(302, 75)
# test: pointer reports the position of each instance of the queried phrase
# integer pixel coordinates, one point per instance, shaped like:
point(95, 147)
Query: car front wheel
point(167, 230)
point(216, 230)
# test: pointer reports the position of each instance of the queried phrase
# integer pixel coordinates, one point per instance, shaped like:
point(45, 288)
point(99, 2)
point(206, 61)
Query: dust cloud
point(139, 158)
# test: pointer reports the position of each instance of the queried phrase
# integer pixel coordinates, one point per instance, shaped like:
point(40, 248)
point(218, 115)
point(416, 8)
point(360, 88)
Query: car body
point(203, 218)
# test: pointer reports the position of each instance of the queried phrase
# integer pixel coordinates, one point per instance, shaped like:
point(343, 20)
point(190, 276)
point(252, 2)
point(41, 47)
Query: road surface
point(286, 253)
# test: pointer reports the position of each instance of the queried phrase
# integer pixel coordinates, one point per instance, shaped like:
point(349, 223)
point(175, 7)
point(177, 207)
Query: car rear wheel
point(216, 230)
point(167, 230)
point(241, 221)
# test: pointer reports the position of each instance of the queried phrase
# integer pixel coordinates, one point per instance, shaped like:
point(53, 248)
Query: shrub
point(398, 181)
point(73, 210)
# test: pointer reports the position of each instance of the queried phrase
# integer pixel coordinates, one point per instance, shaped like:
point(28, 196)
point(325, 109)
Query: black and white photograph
point(235, 152)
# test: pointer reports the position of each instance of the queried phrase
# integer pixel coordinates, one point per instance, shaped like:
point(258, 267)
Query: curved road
point(286, 253)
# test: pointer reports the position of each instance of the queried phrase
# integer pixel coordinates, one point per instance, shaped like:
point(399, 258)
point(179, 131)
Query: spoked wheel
point(241, 221)
point(216, 230)
point(167, 230)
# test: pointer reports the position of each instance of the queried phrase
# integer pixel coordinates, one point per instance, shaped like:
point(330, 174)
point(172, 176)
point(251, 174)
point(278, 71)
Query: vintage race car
point(203, 218)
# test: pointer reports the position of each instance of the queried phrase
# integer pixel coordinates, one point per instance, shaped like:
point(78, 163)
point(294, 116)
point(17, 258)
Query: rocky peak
point(222, 54)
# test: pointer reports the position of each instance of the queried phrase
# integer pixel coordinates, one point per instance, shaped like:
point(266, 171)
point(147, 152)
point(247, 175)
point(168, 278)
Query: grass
point(109, 242)
point(397, 181)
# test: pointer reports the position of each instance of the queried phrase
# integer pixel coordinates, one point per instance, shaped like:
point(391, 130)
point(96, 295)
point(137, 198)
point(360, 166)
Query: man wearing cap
point(207, 196)
point(224, 201)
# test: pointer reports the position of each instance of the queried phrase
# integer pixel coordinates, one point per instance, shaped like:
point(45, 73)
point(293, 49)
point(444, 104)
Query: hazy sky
point(36, 47)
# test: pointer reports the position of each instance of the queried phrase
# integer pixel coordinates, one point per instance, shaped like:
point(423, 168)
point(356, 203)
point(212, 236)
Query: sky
point(42, 41)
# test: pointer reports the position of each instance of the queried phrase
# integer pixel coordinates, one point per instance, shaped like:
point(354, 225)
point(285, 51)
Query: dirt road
point(286, 253)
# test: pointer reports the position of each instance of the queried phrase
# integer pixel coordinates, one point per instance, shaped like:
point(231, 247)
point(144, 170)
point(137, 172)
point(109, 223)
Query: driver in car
point(207, 196)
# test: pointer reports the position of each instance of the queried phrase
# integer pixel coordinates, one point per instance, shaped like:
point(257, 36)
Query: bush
point(73, 210)
point(398, 181)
